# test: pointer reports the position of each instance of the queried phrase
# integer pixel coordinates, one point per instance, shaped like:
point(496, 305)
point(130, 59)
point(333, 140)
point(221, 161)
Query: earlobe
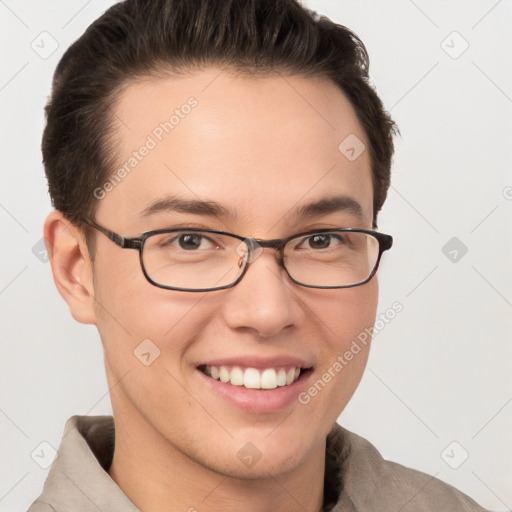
point(71, 266)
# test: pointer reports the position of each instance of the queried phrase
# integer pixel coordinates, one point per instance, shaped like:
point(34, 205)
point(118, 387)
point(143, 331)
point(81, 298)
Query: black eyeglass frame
point(385, 243)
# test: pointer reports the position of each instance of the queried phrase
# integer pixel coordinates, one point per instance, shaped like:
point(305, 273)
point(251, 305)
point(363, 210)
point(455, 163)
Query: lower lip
point(258, 400)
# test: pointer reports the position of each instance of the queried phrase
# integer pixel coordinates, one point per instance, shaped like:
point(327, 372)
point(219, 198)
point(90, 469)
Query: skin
point(260, 147)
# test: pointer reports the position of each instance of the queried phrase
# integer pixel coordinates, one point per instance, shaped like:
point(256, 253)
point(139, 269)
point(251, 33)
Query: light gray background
point(439, 372)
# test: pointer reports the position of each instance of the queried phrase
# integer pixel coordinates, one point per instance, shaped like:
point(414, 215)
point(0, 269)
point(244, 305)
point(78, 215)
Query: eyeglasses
point(200, 260)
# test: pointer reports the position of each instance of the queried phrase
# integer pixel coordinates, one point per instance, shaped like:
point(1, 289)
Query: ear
point(71, 266)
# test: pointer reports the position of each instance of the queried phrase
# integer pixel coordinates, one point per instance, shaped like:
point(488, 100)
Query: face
point(260, 148)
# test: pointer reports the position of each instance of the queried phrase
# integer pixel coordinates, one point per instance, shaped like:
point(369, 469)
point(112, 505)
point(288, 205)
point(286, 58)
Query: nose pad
point(248, 250)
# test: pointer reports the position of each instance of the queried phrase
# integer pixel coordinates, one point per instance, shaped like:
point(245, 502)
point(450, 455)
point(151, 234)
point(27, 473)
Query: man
point(217, 168)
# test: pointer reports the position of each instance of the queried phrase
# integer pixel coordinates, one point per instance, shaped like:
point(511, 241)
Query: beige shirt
point(357, 478)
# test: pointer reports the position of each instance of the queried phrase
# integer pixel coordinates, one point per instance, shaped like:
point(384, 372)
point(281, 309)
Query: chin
point(259, 457)
point(264, 468)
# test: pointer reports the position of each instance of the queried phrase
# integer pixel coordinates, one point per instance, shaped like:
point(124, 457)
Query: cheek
point(146, 333)
point(344, 320)
point(347, 313)
point(131, 310)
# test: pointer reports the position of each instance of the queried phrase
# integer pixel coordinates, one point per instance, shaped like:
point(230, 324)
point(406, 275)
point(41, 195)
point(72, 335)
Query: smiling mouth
point(254, 378)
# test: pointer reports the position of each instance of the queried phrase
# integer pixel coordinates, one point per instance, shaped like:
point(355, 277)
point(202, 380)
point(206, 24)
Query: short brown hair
point(140, 38)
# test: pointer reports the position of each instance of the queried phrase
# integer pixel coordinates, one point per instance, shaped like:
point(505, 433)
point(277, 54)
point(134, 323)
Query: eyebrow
point(176, 204)
point(323, 206)
point(328, 205)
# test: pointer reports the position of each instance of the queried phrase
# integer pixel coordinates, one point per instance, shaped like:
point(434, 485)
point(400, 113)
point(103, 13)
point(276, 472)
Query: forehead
point(257, 145)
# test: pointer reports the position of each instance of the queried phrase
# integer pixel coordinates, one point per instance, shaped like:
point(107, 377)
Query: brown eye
point(321, 241)
point(190, 241)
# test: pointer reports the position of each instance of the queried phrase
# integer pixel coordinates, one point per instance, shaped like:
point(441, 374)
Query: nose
point(265, 302)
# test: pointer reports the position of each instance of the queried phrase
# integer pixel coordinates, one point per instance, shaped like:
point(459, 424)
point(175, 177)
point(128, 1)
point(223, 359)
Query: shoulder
point(372, 483)
point(41, 506)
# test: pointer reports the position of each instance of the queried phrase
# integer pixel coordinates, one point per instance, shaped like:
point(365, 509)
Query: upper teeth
point(252, 378)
